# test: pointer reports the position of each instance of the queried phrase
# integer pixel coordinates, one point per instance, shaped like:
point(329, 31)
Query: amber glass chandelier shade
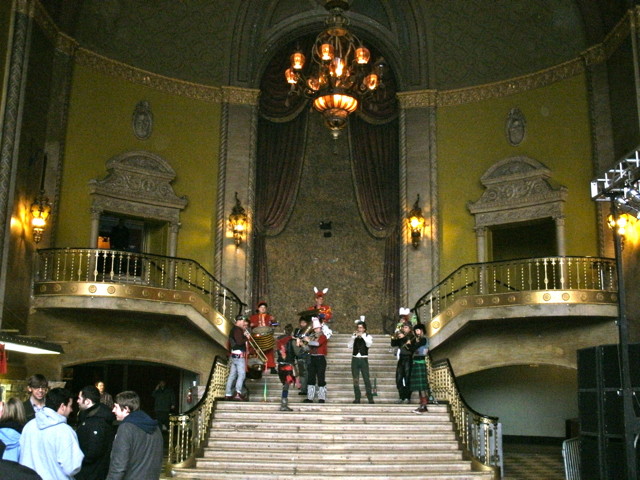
point(336, 101)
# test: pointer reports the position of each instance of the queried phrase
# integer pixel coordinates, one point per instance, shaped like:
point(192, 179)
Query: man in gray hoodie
point(137, 448)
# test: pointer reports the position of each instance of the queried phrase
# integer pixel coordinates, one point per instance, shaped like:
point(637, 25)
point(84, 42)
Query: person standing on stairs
point(238, 369)
point(302, 354)
point(263, 319)
point(359, 343)
point(401, 340)
point(286, 362)
point(419, 376)
point(317, 342)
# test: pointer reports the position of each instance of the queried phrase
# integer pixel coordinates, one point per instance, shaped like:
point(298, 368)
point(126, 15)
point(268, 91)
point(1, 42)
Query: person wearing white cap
point(360, 343)
point(317, 364)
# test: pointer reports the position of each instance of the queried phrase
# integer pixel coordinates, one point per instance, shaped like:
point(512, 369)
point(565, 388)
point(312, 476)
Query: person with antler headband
point(322, 312)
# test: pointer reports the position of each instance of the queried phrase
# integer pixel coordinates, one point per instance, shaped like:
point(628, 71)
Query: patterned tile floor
point(533, 462)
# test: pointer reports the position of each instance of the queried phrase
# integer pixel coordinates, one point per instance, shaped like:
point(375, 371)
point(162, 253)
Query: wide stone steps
point(334, 440)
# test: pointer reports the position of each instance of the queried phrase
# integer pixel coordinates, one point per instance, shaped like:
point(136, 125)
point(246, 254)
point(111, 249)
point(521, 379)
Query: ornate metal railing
point(93, 265)
point(528, 274)
point(480, 435)
point(188, 432)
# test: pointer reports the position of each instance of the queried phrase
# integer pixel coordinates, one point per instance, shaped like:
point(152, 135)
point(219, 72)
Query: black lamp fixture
point(238, 222)
point(416, 223)
point(40, 208)
point(339, 74)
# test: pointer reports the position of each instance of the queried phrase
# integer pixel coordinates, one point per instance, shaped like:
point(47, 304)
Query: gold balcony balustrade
point(99, 273)
point(558, 282)
point(189, 431)
point(480, 435)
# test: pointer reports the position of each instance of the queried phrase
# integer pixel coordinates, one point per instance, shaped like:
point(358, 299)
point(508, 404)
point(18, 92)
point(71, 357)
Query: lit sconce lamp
point(238, 222)
point(416, 223)
point(621, 225)
point(40, 208)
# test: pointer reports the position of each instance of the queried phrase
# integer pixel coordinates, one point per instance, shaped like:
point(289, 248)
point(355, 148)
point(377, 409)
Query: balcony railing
point(480, 435)
point(560, 274)
point(99, 266)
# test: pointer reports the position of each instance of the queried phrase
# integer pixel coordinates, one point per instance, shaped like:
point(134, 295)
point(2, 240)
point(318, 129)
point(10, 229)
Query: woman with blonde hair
point(12, 419)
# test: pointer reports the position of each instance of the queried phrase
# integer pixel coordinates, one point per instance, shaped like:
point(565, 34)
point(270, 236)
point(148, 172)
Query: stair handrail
point(99, 265)
point(189, 431)
point(479, 434)
point(520, 274)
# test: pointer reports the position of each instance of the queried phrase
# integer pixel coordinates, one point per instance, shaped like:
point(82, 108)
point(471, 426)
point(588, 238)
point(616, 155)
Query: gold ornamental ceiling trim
point(113, 68)
point(135, 292)
point(533, 298)
point(415, 99)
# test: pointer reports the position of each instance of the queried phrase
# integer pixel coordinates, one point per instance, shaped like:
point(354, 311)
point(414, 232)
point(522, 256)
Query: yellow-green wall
point(471, 138)
point(185, 133)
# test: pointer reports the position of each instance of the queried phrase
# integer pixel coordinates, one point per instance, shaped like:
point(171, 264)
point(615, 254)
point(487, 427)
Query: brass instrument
point(255, 346)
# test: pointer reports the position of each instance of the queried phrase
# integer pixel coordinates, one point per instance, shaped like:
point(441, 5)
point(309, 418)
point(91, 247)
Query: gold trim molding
point(135, 292)
point(413, 99)
point(535, 298)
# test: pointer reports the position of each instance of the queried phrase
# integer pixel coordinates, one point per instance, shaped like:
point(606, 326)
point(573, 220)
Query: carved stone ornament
point(515, 127)
point(142, 120)
point(138, 183)
point(518, 189)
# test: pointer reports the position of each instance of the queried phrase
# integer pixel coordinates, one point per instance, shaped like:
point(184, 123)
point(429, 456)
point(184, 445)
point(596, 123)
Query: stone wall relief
point(515, 127)
point(138, 183)
point(142, 120)
point(518, 189)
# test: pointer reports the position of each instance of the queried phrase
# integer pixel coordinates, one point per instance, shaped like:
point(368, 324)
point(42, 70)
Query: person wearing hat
point(419, 380)
point(285, 348)
point(323, 312)
point(238, 360)
point(262, 319)
point(401, 341)
point(359, 343)
point(317, 363)
point(302, 354)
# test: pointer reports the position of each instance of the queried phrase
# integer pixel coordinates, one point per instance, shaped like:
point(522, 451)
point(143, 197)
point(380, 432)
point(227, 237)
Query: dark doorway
point(141, 377)
point(524, 240)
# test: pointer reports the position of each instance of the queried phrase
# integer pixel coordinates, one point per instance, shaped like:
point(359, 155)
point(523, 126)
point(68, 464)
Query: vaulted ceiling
point(440, 44)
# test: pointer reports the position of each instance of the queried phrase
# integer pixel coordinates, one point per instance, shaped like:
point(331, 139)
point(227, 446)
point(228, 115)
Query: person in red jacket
point(262, 319)
point(322, 312)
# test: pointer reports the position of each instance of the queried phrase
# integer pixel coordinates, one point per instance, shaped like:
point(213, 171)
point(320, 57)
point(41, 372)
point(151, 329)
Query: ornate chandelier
point(339, 74)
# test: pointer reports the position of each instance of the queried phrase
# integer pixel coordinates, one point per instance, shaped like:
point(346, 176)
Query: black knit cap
point(419, 326)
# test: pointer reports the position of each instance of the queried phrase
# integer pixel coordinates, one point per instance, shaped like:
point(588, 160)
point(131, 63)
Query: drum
point(264, 337)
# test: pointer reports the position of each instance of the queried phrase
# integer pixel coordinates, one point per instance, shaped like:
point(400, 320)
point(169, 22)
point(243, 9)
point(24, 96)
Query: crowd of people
point(113, 438)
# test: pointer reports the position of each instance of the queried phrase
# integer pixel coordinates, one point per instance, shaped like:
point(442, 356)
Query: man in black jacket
point(95, 434)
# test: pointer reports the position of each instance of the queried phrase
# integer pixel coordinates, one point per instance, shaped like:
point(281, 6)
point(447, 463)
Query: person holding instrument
point(318, 363)
point(402, 341)
point(262, 324)
point(419, 376)
point(359, 343)
point(238, 348)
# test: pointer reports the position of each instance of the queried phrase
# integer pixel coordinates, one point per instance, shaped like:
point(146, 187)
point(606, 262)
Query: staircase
point(336, 440)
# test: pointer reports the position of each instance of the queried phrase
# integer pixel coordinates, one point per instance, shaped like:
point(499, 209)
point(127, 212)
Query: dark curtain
point(280, 153)
point(375, 160)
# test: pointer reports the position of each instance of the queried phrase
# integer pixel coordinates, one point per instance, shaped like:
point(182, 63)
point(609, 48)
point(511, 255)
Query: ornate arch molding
point(400, 38)
point(137, 183)
point(518, 189)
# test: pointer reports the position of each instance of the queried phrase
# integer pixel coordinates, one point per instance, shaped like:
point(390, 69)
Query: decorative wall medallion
point(93, 289)
point(57, 287)
point(512, 298)
point(566, 297)
point(142, 120)
point(495, 300)
point(515, 127)
point(111, 289)
point(435, 324)
point(546, 297)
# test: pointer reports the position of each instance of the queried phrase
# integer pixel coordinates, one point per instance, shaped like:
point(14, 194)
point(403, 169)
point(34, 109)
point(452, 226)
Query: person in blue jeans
point(237, 359)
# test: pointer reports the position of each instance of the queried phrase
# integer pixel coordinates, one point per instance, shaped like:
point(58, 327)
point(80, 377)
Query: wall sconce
point(416, 223)
point(40, 208)
point(238, 222)
point(624, 220)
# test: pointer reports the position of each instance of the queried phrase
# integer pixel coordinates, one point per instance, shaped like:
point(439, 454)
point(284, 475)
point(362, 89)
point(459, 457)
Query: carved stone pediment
point(517, 189)
point(138, 183)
